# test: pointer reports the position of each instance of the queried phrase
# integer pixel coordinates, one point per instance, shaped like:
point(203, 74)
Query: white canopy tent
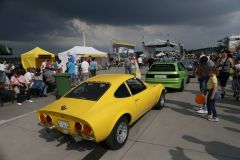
point(80, 51)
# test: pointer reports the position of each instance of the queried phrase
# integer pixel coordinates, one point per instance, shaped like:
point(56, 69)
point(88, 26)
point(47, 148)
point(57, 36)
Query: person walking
point(79, 64)
point(236, 80)
point(93, 67)
point(202, 72)
point(71, 68)
point(127, 65)
point(212, 90)
point(224, 65)
point(85, 70)
point(150, 62)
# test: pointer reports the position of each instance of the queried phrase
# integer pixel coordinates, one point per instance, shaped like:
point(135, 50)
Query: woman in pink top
point(20, 87)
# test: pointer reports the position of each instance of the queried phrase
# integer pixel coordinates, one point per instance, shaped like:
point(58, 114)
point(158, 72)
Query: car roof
point(111, 78)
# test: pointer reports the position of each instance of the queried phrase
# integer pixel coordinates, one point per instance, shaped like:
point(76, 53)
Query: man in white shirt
point(85, 69)
point(140, 62)
point(28, 77)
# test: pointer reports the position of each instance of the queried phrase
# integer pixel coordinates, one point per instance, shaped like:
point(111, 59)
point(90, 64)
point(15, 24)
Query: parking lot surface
point(176, 132)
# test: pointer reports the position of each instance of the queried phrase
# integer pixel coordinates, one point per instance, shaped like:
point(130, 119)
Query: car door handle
point(136, 99)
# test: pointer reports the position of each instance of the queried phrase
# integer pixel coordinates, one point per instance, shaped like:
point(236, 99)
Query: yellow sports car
point(102, 108)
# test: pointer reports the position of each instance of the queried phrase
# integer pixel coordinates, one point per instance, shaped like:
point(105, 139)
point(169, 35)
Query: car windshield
point(89, 91)
point(162, 67)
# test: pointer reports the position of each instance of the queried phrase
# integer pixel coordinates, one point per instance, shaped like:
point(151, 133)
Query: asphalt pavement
point(176, 133)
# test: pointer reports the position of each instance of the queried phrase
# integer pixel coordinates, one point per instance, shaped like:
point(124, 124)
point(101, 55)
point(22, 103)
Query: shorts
point(223, 78)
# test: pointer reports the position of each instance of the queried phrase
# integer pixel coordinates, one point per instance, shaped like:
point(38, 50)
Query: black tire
point(161, 102)
point(112, 141)
point(182, 86)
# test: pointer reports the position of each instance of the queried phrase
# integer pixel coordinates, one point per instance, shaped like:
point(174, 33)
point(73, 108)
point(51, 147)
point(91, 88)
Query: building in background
point(121, 50)
point(231, 43)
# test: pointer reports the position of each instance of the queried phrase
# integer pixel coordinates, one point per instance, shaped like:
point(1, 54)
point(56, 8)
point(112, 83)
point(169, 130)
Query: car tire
point(119, 134)
point(161, 102)
point(182, 86)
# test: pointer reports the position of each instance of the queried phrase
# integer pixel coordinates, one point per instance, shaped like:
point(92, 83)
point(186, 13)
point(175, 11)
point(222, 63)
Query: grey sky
point(58, 25)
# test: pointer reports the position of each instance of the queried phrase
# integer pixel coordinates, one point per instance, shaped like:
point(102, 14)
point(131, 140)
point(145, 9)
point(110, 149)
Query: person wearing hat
point(224, 65)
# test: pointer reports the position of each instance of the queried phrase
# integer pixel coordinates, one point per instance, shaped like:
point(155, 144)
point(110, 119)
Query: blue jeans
point(203, 83)
point(72, 78)
point(128, 70)
point(211, 107)
point(203, 86)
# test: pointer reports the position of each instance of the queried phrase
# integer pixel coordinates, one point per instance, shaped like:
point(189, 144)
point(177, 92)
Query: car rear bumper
point(168, 83)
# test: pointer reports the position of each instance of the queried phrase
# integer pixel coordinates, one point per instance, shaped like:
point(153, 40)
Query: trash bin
point(63, 84)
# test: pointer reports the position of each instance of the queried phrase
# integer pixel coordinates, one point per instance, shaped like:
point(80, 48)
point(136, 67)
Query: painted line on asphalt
point(15, 118)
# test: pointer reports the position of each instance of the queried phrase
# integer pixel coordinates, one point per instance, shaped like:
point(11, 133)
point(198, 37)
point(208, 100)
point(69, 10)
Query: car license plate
point(63, 124)
point(160, 76)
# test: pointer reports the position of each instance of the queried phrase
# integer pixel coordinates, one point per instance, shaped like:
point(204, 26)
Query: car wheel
point(119, 134)
point(182, 86)
point(161, 102)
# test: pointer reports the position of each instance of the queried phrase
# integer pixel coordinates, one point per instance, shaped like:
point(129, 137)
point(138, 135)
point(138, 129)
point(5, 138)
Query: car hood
point(71, 106)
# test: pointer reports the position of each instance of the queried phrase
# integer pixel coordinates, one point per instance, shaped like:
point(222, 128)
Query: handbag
point(22, 86)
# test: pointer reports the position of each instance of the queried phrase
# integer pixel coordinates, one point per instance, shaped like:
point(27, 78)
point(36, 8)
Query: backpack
point(2, 77)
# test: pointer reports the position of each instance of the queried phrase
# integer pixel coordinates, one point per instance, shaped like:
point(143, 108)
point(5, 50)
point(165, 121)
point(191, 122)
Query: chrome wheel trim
point(122, 132)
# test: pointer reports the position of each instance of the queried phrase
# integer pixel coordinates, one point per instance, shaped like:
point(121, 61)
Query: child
point(212, 89)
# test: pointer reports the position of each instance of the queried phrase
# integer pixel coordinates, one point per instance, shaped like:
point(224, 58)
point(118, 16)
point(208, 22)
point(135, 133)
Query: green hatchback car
point(170, 74)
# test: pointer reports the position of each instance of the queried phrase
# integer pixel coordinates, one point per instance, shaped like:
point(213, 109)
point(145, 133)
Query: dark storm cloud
point(142, 12)
point(35, 20)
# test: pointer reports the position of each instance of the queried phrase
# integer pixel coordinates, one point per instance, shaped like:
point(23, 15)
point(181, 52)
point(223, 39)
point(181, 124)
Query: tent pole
point(84, 42)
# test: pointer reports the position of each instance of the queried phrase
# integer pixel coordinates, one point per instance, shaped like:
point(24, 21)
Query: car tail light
point(42, 118)
point(78, 126)
point(87, 129)
point(49, 119)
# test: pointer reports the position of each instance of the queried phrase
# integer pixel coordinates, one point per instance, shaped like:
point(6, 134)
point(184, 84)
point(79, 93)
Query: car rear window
point(89, 91)
point(162, 67)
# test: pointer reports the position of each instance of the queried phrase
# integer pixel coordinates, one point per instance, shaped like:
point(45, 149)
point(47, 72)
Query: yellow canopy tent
point(35, 57)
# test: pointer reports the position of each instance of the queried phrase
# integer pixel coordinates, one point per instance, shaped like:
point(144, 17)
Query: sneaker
point(202, 111)
point(19, 104)
point(215, 119)
point(209, 117)
point(30, 101)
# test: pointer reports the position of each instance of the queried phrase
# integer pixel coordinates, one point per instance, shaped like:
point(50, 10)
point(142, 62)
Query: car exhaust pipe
point(50, 129)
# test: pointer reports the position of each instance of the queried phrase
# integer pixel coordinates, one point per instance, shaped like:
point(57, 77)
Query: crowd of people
point(21, 84)
point(82, 68)
point(213, 72)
